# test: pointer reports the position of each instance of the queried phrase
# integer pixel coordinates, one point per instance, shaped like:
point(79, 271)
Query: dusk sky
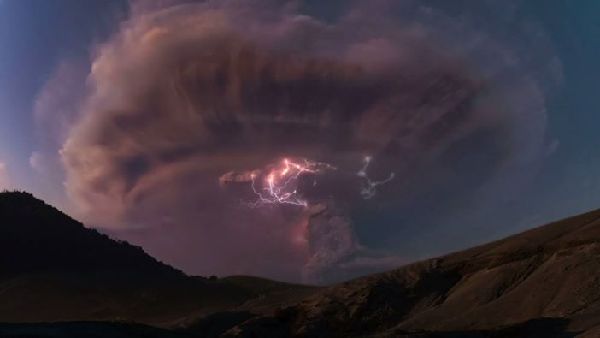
point(215, 133)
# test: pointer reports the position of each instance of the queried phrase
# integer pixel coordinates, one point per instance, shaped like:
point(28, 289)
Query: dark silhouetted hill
point(36, 238)
point(53, 269)
point(541, 283)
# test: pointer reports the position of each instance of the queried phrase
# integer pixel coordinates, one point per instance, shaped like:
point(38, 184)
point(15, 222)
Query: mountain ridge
point(543, 282)
point(546, 272)
point(26, 234)
point(54, 269)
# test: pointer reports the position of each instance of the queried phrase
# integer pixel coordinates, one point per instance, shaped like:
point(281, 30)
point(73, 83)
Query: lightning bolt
point(369, 188)
point(280, 184)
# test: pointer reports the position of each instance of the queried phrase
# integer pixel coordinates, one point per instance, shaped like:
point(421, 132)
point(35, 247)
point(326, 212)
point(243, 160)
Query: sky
point(305, 141)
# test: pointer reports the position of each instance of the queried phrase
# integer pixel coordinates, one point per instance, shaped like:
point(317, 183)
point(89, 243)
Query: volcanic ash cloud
point(182, 95)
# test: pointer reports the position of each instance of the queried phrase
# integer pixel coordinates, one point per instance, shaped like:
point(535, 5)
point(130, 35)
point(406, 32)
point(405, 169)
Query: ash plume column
point(182, 94)
point(328, 232)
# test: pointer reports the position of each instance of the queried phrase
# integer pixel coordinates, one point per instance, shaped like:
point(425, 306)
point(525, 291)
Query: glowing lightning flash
point(370, 188)
point(280, 185)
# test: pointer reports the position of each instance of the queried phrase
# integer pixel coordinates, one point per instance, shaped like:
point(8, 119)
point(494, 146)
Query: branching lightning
point(369, 188)
point(280, 184)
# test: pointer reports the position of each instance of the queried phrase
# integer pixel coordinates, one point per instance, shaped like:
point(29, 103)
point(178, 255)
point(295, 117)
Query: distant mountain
point(542, 283)
point(53, 269)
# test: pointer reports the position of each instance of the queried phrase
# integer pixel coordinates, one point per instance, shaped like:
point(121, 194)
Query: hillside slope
point(541, 283)
point(35, 238)
point(52, 269)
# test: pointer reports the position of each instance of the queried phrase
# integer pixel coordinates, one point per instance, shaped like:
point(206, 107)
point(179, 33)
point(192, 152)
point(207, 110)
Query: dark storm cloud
point(182, 95)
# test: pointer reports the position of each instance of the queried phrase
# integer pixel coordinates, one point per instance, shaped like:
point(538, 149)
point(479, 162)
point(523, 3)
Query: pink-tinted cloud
point(184, 94)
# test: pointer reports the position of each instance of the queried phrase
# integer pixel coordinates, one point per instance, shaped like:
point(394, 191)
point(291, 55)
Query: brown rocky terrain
point(541, 283)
